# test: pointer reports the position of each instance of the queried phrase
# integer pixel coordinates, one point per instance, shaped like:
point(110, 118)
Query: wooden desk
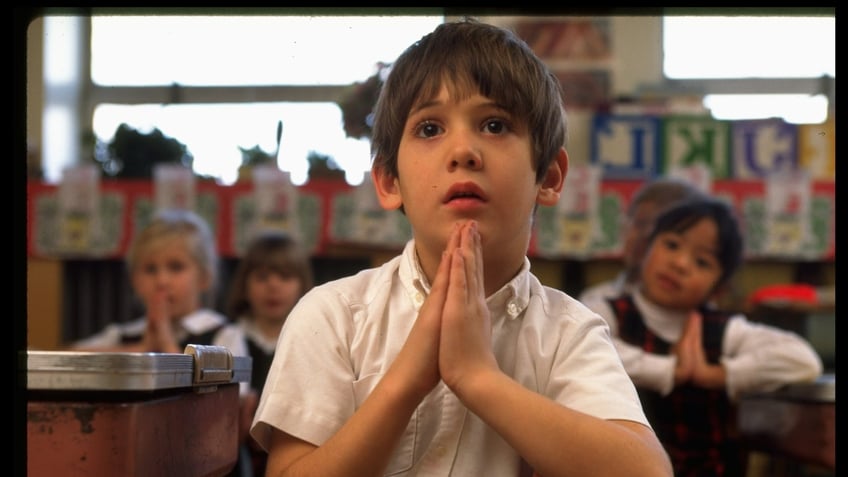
point(133, 414)
point(797, 422)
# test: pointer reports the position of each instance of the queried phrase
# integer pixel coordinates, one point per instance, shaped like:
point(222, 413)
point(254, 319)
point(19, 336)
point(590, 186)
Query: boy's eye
point(427, 129)
point(495, 126)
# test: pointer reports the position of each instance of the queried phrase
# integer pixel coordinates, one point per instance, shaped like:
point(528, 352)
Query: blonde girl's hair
point(181, 224)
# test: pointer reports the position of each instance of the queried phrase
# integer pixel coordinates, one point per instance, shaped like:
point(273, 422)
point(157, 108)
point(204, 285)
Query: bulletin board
point(329, 214)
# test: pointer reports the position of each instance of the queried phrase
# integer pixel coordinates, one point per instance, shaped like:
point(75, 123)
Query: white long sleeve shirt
point(756, 357)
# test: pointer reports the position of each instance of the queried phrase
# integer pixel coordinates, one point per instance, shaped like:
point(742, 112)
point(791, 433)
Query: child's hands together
point(692, 365)
point(465, 345)
point(159, 335)
point(686, 349)
point(451, 338)
point(417, 363)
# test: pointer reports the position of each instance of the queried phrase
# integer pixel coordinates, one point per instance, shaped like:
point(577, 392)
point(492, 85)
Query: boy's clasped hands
point(451, 338)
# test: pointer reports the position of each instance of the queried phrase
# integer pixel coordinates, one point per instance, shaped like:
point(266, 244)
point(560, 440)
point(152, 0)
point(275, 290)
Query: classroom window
point(142, 69)
point(152, 71)
point(768, 49)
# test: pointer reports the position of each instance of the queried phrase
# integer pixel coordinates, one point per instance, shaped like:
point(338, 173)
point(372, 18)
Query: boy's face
point(169, 269)
point(681, 270)
point(466, 159)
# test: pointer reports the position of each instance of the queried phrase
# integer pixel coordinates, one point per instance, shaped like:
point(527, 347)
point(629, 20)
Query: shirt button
point(419, 298)
point(512, 309)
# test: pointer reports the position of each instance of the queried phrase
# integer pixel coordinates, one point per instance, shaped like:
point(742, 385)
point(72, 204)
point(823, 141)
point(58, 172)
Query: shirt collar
point(201, 321)
point(665, 322)
point(511, 299)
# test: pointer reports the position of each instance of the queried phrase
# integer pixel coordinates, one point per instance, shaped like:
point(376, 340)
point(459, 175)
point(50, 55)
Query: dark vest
point(261, 365)
point(695, 425)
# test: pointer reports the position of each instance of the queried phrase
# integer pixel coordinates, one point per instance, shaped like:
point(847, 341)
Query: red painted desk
point(133, 414)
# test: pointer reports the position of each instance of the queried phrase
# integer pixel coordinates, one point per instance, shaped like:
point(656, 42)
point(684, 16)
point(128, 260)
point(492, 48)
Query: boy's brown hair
point(469, 57)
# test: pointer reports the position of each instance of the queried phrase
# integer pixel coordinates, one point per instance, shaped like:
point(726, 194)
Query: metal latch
point(212, 364)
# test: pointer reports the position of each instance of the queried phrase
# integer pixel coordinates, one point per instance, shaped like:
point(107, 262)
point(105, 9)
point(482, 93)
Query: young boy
point(689, 360)
point(649, 201)
point(452, 358)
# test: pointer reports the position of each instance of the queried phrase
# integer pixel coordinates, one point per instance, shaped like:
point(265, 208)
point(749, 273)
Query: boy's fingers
point(474, 267)
point(442, 279)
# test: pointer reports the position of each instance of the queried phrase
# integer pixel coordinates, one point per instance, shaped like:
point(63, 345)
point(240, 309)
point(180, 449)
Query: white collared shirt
point(343, 335)
point(755, 356)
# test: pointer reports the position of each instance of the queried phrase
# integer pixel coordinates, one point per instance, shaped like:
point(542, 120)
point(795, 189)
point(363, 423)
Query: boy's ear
point(388, 192)
point(554, 180)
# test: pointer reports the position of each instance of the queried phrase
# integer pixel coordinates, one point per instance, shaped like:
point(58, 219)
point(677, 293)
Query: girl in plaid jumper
point(689, 360)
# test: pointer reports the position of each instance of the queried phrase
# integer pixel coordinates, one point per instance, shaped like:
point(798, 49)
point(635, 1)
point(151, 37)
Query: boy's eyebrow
point(424, 105)
point(433, 102)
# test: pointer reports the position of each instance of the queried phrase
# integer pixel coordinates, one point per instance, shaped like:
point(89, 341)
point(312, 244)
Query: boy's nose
point(464, 153)
point(471, 161)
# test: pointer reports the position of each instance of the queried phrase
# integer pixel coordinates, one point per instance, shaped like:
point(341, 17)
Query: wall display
point(626, 146)
point(781, 229)
point(695, 140)
point(572, 39)
point(275, 203)
point(174, 186)
point(817, 149)
point(763, 146)
point(636, 146)
point(358, 218)
point(571, 227)
point(332, 214)
point(78, 228)
point(579, 52)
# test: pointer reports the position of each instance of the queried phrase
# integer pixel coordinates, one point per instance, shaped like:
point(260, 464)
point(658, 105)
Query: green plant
point(357, 104)
point(133, 155)
point(322, 165)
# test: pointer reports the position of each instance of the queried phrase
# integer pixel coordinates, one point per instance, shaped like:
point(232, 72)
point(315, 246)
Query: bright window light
point(60, 46)
point(749, 47)
point(57, 124)
point(213, 133)
point(248, 50)
point(792, 108)
point(733, 47)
